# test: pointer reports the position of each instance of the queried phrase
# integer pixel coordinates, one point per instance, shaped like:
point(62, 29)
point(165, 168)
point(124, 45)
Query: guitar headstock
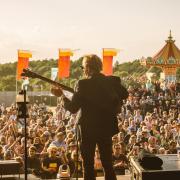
point(28, 73)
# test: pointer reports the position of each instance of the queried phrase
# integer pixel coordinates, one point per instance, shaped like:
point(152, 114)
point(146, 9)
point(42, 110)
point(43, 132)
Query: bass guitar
point(31, 74)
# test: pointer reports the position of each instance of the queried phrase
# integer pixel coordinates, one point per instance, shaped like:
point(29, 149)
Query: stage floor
point(31, 177)
point(122, 177)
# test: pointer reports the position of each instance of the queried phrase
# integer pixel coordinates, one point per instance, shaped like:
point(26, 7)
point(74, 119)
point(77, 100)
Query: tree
point(123, 74)
point(43, 67)
point(8, 83)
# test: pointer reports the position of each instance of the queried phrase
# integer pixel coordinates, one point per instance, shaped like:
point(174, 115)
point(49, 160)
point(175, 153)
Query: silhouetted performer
point(98, 97)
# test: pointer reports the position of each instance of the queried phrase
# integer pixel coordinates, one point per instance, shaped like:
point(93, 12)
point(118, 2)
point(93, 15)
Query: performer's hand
point(57, 91)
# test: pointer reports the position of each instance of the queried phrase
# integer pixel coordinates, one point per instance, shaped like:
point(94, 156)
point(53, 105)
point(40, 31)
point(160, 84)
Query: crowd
point(149, 119)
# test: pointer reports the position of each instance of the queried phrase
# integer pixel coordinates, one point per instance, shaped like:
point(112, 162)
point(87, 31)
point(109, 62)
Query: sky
point(136, 27)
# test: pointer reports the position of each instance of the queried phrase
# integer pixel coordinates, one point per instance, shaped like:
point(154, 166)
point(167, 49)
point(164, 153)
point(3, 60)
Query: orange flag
point(23, 61)
point(64, 62)
point(108, 54)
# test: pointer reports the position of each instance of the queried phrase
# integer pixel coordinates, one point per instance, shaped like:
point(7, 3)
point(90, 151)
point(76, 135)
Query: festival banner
point(23, 61)
point(64, 63)
point(108, 54)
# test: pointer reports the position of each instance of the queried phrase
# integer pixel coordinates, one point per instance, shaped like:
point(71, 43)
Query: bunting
point(108, 54)
point(64, 62)
point(23, 61)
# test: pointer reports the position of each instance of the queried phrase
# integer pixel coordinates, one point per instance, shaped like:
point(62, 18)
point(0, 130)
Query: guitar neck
point(66, 88)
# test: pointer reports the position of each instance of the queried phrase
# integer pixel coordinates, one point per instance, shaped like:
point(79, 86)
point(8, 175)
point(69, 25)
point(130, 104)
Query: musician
point(98, 97)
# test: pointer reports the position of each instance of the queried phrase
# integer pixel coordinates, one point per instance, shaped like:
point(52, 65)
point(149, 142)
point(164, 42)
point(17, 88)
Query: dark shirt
point(52, 163)
point(119, 158)
point(33, 165)
point(98, 99)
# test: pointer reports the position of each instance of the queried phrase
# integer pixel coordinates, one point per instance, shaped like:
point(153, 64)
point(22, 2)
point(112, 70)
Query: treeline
point(43, 67)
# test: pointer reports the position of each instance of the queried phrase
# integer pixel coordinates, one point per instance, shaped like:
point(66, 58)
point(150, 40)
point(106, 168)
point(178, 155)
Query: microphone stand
point(22, 100)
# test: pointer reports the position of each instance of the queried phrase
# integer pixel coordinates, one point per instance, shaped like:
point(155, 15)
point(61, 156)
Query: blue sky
point(136, 27)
